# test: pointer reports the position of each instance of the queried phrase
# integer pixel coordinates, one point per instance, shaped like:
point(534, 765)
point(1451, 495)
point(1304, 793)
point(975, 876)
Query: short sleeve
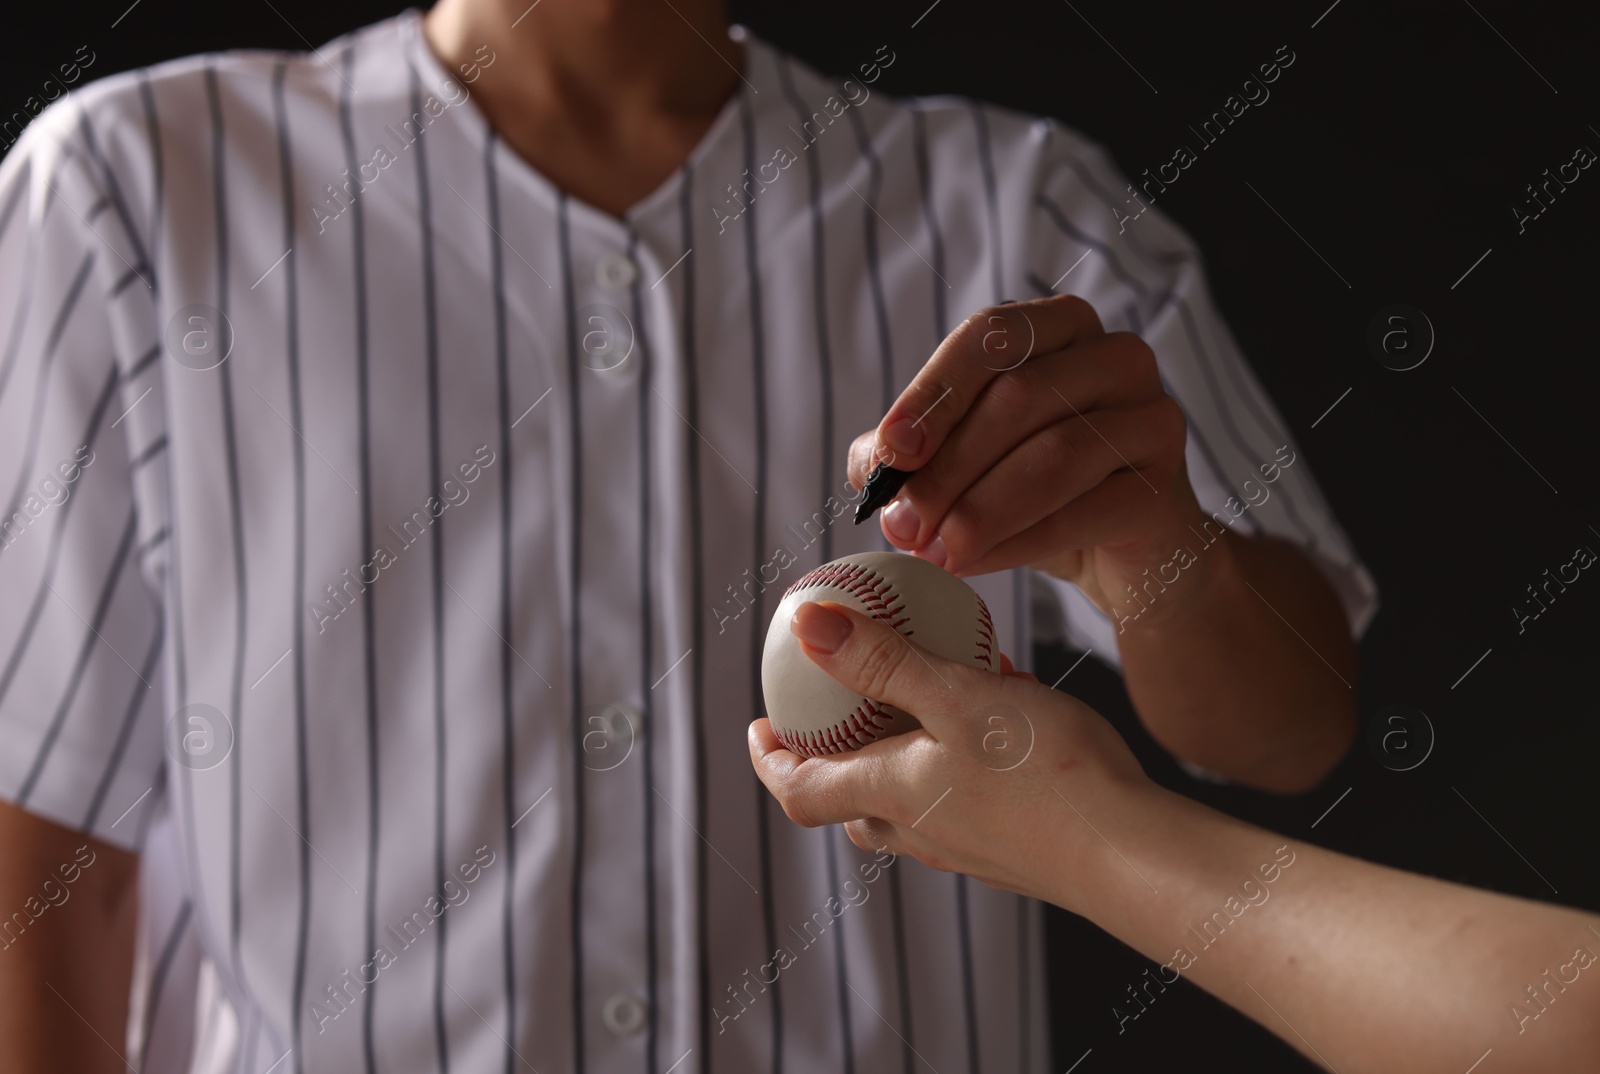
point(80, 643)
point(1094, 234)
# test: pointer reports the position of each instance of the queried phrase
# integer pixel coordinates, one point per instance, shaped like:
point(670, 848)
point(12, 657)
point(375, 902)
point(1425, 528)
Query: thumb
point(873, 659)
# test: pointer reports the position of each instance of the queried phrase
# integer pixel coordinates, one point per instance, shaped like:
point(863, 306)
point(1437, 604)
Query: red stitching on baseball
point(986, 633)
point(869, 721)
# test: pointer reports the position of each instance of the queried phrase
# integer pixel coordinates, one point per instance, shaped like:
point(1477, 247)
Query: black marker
point(882, 485)
point(885, 481)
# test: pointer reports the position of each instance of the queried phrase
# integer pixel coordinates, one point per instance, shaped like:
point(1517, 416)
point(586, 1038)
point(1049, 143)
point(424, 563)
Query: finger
point(945, 388)
point(873, 833)
point(1118, 512)
point(1116, 370)
point(831, 790)
point(1047, 471)
point(874, 660)
point(1094, 373)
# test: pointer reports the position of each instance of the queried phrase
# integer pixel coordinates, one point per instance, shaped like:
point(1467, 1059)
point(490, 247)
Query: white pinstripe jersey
point(454, 500)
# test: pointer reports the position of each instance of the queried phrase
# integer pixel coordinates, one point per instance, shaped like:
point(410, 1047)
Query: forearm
point(1244, 665)
point(1361, 967)
point(67, 950)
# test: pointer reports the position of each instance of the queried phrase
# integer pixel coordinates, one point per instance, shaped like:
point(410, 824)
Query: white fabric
point(525, 724)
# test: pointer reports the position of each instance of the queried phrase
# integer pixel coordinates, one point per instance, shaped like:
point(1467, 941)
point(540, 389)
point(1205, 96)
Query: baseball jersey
point(390, 538)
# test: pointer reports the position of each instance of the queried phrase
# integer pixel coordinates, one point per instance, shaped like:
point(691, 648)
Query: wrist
point(1106, 825)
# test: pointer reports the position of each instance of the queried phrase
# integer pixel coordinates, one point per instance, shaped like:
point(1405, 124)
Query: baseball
point(811, 713)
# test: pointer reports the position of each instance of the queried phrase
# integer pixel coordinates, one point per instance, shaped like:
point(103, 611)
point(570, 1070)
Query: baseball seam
point(869, 721)
point(985, 635)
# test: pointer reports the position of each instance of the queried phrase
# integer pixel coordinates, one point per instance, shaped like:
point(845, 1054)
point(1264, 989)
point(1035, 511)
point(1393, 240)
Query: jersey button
point(623, 1015)
point(609, 734)
point(615, 272)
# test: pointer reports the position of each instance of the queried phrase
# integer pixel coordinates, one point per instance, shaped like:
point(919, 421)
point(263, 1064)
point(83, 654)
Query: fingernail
point(934, 553)
point(903, 436)
point(900, 518)
point(819, 627)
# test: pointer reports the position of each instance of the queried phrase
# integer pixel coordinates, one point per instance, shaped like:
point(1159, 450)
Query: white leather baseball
point(811, 712)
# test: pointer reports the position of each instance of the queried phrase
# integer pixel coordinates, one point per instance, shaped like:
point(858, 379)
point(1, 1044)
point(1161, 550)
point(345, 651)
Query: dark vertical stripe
point(991, 197)
point(1160, 259)
point(85, 649)
point(919, 138)
point(1253, 524)
point(430, 326)
point(138, 692)
point(19, 187)
point(646, 652)
point(869, 218)
point(887, 395)
point(1272, 431)
point(41, 387)
point(248, 1062)
point(1136, 326)
point(297, 419)
point(152, 125)
point(819, 305)
point(763, 800)
point(358, 252)
point(158, 982)
point(819, 301)
point(574, 634)
point(1022, 642)
point(697, 629)
point(1020, 635)
point(241, 602)
point(968, 998)
point(19, 317)
point(1064, 224)
point(52, 193)
point(113, 189)
point(508, 737)
point(1214, 387)
point(1024, 987)
point(59, 326)
point(63, 514)
point(1059, 218)
point(1155, 258)
point(181, 776)
point(996, 262)
point(20, 184)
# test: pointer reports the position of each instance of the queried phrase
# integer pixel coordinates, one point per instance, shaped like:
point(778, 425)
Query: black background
point(1396, 145)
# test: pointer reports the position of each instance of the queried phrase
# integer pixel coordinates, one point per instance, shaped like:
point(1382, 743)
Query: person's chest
point(477, 449)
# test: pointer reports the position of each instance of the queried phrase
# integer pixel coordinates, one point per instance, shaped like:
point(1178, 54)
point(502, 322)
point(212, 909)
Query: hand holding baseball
point(1037, 439)
point(986, 786)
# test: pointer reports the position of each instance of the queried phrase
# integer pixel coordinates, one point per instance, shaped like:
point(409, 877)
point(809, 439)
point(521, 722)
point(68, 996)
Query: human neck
point(605, 97)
